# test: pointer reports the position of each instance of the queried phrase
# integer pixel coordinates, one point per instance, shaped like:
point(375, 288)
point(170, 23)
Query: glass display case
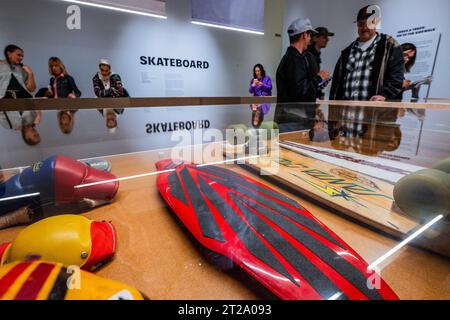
point(331, 200)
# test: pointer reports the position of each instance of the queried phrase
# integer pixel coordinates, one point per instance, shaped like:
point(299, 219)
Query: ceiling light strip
point(227, 28)
point(116, 9)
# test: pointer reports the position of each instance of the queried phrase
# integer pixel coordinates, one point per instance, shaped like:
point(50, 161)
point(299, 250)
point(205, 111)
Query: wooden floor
point(158, 258)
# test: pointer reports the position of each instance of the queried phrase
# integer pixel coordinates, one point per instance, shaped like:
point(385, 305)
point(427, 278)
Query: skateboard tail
point(270, 236)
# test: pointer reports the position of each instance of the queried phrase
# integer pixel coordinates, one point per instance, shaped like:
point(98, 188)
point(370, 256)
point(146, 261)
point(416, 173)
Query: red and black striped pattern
point(274, 239)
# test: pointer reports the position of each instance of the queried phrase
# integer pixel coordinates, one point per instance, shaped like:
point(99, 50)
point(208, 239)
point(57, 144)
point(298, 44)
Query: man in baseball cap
point(300, 26)
point(295, 80)
point(313, 53)
point(371, 68)
point(366, 12)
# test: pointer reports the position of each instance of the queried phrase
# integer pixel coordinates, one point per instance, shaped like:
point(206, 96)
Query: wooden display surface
point(156, 256)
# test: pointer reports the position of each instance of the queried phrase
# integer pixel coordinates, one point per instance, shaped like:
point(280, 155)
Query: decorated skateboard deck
point(270, 236)
point(359, 195)
point(380, 168)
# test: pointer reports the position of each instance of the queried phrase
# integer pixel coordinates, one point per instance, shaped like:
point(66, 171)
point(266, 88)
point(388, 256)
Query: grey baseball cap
point(299, 26)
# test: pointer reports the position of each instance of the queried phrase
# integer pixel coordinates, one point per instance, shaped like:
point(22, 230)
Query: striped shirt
point(359, 71)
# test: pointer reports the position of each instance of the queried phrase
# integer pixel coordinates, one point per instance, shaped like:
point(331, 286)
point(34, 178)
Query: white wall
point(338, 16)
point(39, 26)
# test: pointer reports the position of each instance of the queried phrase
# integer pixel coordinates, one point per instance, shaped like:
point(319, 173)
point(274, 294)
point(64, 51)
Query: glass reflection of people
point(108, 84)
point(16, 78)
point(365, 130)
point(111, 116)
point(66, 120)
point(258, 112)
point(261, 84)
point(320, 132)
point(24, 121)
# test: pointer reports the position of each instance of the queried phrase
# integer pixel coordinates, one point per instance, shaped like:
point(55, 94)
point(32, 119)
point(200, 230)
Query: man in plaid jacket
point(371, 68)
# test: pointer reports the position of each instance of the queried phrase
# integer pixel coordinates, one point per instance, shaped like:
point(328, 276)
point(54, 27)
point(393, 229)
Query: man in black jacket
point(295, 80)
point(371, 68)
point(314, 51)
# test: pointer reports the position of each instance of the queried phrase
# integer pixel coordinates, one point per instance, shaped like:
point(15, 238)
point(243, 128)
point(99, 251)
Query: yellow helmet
point(68, 239)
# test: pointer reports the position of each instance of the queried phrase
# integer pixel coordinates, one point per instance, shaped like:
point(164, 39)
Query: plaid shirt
point(359, 67)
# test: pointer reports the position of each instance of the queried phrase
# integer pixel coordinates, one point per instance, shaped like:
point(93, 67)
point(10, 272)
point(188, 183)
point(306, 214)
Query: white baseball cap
point(299, 26)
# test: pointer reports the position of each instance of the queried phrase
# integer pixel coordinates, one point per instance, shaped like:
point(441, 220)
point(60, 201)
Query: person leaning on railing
point(16, 79)
point(62, 85)
point(108, 84)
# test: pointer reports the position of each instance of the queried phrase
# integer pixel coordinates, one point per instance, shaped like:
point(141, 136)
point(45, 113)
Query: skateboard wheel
point(424, 194)
point(265, 131)
point(239, 126)
point(443, 165)
point(269, 125)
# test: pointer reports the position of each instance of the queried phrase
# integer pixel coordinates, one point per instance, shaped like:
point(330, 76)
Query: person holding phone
point(313, 53)
point(261, 84)
point(16, 79)
point(296, 81)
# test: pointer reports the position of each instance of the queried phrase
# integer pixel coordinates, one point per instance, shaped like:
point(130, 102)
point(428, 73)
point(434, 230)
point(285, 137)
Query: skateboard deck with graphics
point(380, 168)
point(270, 236)
point(360, 196)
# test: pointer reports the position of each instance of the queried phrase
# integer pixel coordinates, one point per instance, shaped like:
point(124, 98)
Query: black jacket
point(314, 59)
point(64, 86)
point(388, 71)
point(295, 81)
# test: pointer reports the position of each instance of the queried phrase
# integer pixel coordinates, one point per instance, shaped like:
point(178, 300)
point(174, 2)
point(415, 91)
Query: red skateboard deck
point(270, 236)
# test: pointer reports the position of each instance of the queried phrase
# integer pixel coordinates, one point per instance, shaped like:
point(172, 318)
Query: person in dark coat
point(371, 68)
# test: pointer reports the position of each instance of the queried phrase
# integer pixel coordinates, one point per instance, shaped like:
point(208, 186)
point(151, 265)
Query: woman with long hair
point(409, 59)
point(62, 85)
point(261, 84)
